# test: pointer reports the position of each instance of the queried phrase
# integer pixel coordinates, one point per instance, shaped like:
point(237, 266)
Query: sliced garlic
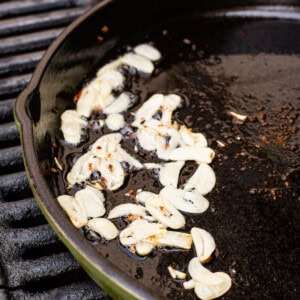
point(104, 228)
point(112, 66)
point(112, 173)
point(144, 196)
point(206, 292)
point(115, 122)
point(87, 102)
point(199, 154)
point(164, 211)
point(120, 104)
point(71, 116)
point(204, 243)
point(91, 201)
point(176, 274)
point(138, 231)
point(71, 132)
point(185, 201)
point(83, 168)
point(192, 139)
point(143, 248)
point(141, 63)
point(199, 273)
point(202, 181)
point(238, 116)
point(147, 51)
point(127, 209)
point(106, 145)
point(122, 155)
point(113, 77)
point(73, 210)
point(188, 285)
point(147, 138)
point(173, 239)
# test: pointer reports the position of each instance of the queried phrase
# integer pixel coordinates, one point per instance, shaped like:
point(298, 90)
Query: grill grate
point(34, 264)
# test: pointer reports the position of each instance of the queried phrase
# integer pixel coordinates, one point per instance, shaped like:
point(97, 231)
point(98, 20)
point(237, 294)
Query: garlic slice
point(204, 243)
point(173, 239)
point(141, 63)
point(207, 292)
point(188, 285)
point(106, 145)
point(144, 196)
point(199, 154)
point(143, 248)
point(122, 155)
point(147, 51)
point(112, 66)
point(115, 122)
point(104, 228)
point(112, 173)
point(73, 210)
point(113, 77)
point(202, 181)
point(200, 273)
point(147, 138)
point(138, 231)
point(164, 211)
point(127, 209)
point(91, 201)
point(83, 168)
point(185, 201)
point(175, 273)
point(120, 104)
point(192, 139)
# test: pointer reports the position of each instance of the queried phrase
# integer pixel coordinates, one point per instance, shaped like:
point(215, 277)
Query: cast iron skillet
point(219, 56)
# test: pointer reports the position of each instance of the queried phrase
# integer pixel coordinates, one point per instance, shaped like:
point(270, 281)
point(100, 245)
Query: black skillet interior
point(218, 60)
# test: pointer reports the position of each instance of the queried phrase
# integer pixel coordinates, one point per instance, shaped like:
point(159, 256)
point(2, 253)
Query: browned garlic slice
point(104, 228)
point(199, 154)
point(202, 181)
point(207, 292)
point(106, 145)
point(138, 231)
point(192, 139)
point(83, 168)
point(73, 210)
point(176, 274)
point(115, 122)
point(143, 248)
point(141, 63)
point(173, 239)
point(190, 202)
point(147, 51)
point(204, 243)
point(127, 209)
point(164, 211)
point(91, 201)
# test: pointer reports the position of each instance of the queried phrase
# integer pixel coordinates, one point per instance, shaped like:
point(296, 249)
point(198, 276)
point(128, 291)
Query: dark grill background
point(33, 262)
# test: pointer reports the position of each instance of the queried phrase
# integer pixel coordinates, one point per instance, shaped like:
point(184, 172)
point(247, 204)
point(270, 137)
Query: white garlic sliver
point(113, 77)
point(192, 139)
point(144, 196)
point(71, 132)
point(141, 63)
point(122, 155)
point(202, 181)
point(185, 201)
point(127, 209)
point(112, 66)
point(169, 173)
point(115, 122)
point(147, 51)
point(73, 210)
point(165, 212)
point(91, 201)
point(86, 102)
point(174, 239)
point(106, 145)
point(104, 228)
point(199, 154)
point(206, 292)
point(147, 138)
point(188, 285)
point(175, 273)
point(204, 243)
point(143, 248)
point(138, 231)
point(120, 104)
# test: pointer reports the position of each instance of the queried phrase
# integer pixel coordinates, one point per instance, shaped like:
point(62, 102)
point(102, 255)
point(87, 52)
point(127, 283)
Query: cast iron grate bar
point(34, 264)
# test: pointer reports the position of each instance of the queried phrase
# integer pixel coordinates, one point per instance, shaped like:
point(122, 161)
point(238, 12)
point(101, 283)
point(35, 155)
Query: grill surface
point(33, 262)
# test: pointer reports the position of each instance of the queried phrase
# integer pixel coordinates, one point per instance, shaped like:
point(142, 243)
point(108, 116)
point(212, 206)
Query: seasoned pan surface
point(218, 62)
